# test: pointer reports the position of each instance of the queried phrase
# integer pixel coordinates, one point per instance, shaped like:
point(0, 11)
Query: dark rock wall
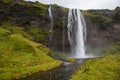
point(104, 31)
point(103, 26)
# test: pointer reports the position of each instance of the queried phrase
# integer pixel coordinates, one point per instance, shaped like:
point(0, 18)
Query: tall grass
point(106, 68)
point(20, 57)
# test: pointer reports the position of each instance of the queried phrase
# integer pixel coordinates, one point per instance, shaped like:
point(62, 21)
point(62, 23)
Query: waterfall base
point(85, 56)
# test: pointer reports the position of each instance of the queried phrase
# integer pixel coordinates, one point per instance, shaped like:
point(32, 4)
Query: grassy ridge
point(97, 17)
point(36, 34)
point(106, 68)
point(20, 57)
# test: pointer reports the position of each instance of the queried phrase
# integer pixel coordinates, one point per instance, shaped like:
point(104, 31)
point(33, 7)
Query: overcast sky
point(84, 4)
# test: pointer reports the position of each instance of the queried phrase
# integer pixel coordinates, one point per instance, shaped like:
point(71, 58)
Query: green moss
point(7, 1)
point(20, 57)
point(4, 32)
point(71, 59)
point(87, 13)
point(116, 15)
point(14, 29)
point(65, 10)
point(97, 17)
point(106, 68)
point(25, 8)
point(39, 34)
point(113, 49)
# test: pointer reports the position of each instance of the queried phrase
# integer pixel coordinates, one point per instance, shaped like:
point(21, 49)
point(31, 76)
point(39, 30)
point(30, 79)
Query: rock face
point(103, 26)
point(27, 15)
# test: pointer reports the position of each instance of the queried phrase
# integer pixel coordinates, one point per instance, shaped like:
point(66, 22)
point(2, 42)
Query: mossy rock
point(97, 17)
point(106, 68)
point(36, 34)
point(70, 59)
point(20, 57)
point(4, 32)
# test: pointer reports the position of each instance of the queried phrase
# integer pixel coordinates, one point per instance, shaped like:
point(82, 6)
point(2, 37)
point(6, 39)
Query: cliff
point(24, 25)
point(20, 54)
point(102, 25)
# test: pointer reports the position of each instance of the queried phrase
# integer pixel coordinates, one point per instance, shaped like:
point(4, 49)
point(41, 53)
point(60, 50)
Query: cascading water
point(76, 33)
point(51, 19)
point(50, 11)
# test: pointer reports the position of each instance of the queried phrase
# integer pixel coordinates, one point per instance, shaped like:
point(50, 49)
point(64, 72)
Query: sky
point(84, 4)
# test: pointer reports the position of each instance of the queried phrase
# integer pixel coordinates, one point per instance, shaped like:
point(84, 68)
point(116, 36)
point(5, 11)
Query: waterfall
point(51, 19)
point(76, 33)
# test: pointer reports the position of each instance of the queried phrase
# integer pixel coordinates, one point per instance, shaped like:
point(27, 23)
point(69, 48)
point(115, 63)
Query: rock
point(102, 25)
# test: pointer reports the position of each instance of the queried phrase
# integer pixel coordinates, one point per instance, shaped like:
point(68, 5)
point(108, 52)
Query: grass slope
point(36, 34)
point(20, 57)
point(106, 68)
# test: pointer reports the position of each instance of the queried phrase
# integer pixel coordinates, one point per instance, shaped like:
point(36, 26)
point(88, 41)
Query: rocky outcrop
point(26, 15)
point(103, 26)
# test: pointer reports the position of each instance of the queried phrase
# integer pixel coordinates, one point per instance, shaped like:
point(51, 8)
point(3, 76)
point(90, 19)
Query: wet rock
point(102, 25)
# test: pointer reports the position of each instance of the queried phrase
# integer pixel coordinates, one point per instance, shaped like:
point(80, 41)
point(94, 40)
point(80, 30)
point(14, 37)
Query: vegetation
point(97, 17)
point(116, 13)
point(65, 10)
point(20, 57)
point(24, 8)
point(37, 34)
point(113, 49)
point(70, 59)
point(16, 16)
point(106, 68)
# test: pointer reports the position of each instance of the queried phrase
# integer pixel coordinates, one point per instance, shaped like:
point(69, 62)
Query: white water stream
point(51, 19)
point(76, 33)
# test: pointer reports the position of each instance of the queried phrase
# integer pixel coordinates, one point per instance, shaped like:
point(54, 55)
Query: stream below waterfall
point(77, 32)
point(63, 72)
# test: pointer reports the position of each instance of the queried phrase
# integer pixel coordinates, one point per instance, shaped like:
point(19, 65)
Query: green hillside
point(106, 68)
point(20, 57)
